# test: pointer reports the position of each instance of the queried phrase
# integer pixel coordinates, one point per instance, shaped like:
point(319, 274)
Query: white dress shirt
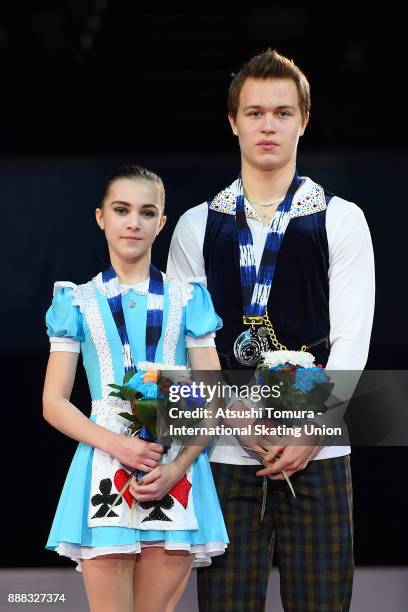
point(351, 286)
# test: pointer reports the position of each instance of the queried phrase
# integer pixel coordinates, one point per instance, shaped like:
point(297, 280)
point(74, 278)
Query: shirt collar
point(308, 199)
point(141, 288)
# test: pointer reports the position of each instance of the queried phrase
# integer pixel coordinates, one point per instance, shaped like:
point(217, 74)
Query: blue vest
point(298, 303)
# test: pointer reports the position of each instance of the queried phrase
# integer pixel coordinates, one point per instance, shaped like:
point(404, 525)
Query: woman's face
point(131, 217)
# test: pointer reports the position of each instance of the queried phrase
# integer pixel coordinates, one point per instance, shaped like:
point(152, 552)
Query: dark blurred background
point(98, 76)
point(89, 85)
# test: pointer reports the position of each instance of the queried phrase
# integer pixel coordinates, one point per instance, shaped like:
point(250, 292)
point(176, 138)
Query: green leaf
point(115, 386)
point(115, 394)
point(146, 410)
point(128, 394)
point(128, 375)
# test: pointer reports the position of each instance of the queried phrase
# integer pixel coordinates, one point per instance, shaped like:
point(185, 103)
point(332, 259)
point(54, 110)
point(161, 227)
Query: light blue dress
point(80, 317)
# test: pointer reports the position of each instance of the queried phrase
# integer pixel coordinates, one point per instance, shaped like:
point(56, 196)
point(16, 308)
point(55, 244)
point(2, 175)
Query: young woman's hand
point(156, 484)
point(160, 480)
point(137, 454)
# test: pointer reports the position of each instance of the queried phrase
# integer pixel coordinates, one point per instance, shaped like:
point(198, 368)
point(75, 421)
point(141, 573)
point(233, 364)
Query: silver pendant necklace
point(265, 203)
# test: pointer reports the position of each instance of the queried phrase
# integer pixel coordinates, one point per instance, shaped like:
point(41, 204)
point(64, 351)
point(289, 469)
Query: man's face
point(268, 122)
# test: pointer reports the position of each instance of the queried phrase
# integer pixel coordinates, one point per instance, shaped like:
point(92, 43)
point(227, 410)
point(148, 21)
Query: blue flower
point(194, 398)
point(149, 390)
point(136, 381)
point(307, 378)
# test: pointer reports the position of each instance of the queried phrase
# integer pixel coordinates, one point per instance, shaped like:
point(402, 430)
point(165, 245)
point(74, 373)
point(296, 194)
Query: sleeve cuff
point(65, 344)
point(203, 341)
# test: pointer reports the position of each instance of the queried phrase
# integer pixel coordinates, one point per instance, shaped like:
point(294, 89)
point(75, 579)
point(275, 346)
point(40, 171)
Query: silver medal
point(250, 345)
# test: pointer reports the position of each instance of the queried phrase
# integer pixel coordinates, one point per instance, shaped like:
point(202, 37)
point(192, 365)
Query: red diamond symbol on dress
point(181, 490)
point(120, 479)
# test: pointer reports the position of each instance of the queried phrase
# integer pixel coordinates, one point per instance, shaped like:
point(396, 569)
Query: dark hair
point(268, 65)
point(132, 171)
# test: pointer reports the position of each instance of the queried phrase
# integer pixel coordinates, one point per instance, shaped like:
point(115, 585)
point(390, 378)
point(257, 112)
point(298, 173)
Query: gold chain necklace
point(265, 320)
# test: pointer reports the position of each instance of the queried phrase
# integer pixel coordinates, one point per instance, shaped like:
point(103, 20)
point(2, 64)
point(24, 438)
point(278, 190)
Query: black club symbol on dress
point(157, 515)
point(105, 498)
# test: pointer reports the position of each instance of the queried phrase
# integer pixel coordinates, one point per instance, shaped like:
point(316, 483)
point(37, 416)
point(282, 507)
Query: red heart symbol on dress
point(120, 479)
point(181, 491)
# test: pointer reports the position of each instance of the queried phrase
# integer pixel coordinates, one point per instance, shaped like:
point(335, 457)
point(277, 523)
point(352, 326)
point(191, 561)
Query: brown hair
point(268, 65)
point(132, 171)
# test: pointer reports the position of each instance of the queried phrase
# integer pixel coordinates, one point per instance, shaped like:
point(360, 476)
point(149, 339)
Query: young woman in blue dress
point(134, 556)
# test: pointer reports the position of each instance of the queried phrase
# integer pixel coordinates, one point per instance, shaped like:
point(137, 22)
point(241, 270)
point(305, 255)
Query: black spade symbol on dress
point(157, 515)
point(105, 498)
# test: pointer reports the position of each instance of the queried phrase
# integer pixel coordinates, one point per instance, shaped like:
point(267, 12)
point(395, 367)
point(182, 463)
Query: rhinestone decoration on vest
point(311, 202)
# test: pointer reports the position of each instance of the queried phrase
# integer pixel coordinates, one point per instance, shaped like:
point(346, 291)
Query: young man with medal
point(291, 266)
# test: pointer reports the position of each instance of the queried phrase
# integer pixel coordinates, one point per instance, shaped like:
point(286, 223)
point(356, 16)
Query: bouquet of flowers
point(144, 390)
point(303, 388)
point(303, 385)
point(147, 391)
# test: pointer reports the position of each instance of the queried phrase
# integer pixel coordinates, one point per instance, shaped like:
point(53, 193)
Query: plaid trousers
point(312, 535)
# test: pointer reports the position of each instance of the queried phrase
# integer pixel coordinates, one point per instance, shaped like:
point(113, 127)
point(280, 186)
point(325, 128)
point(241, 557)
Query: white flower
point(296, 358)
point(150, 366)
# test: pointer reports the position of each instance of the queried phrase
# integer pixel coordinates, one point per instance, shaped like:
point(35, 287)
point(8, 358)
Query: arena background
point(87, 86)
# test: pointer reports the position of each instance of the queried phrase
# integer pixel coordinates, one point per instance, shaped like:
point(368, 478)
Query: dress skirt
point(71, 535)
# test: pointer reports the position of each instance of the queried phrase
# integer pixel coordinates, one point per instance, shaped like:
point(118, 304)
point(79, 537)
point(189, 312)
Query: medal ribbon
point(154, 324)
point(256, 287)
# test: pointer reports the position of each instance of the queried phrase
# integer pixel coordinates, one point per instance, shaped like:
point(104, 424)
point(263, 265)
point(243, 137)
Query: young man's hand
point(290, 457)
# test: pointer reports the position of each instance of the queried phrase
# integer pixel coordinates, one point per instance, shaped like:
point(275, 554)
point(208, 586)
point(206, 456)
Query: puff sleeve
point(64, 320)
point(201, 319)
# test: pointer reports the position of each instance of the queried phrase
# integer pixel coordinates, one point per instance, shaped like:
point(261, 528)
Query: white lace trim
point(173, 324)
point(202, 552)
point(97, 329)
point(85, 298)
point(80, 293)
point(80, 297)
point(63, 284)
point(149, 366)
point(110, 405)
point(141, 288)
point(309, 199)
